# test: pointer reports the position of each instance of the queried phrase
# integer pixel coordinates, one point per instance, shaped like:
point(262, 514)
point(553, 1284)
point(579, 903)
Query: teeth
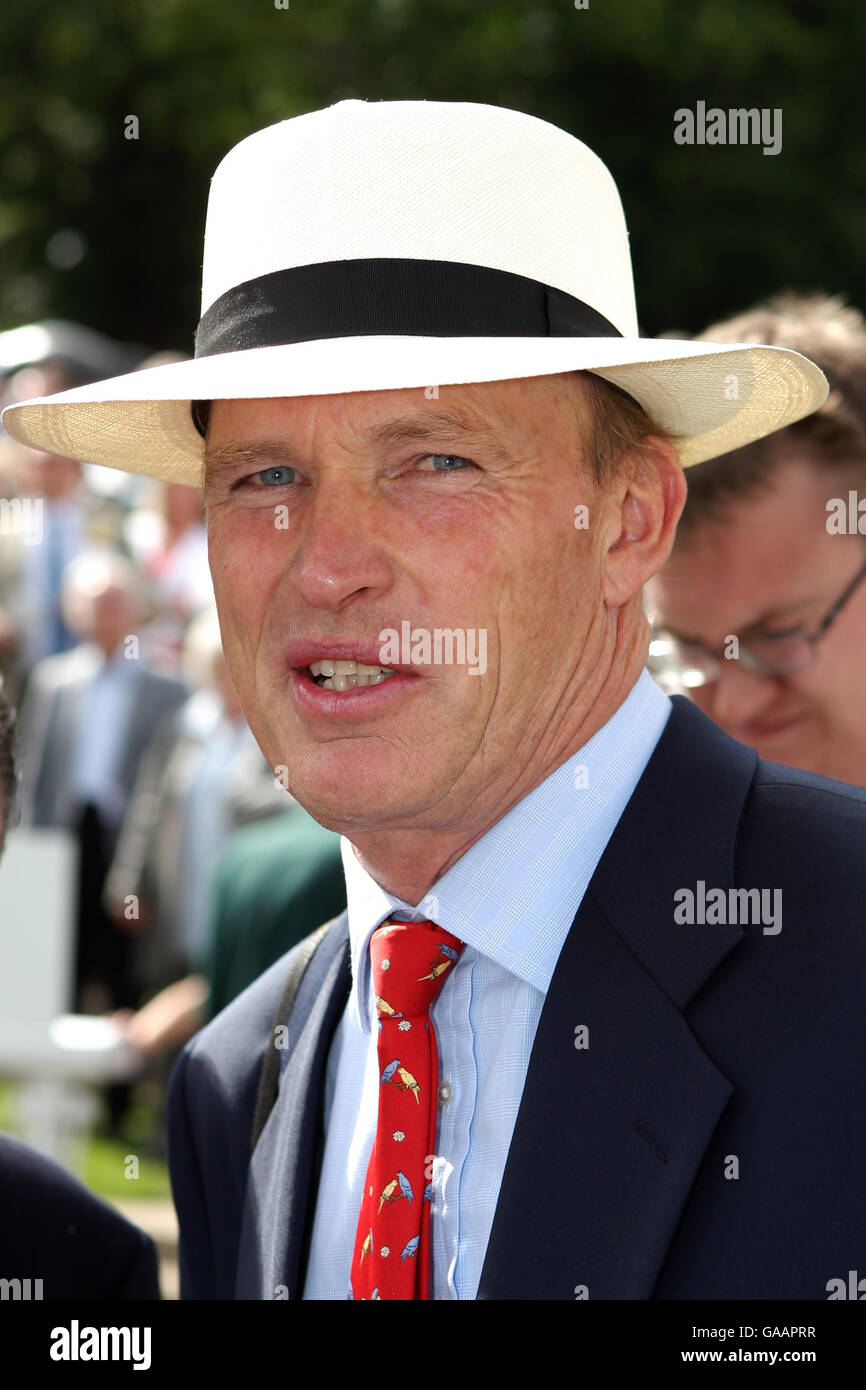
point(347, 675)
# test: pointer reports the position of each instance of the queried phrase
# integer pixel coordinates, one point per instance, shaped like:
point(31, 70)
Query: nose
point(738, 697)
point(342, 548)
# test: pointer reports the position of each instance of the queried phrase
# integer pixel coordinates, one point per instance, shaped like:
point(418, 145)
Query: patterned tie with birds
point(410, 962)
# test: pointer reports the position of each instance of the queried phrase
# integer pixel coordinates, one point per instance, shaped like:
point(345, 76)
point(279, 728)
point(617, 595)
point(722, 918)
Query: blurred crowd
point(196, 870)
point(130, 736)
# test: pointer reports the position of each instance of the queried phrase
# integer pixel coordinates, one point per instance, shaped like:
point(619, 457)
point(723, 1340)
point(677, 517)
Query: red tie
point(410, 962)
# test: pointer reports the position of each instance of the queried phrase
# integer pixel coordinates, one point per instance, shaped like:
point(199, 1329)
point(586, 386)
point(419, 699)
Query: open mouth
point(347, 675)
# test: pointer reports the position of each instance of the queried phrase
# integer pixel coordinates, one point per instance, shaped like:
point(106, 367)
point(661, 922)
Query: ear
point(645, 509)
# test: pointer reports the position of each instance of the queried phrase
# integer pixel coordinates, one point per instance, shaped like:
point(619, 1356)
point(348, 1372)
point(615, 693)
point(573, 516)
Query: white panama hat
point(374, 246)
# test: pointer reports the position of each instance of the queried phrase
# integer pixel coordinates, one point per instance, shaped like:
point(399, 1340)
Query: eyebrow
point(401, 429)
point(437, 422)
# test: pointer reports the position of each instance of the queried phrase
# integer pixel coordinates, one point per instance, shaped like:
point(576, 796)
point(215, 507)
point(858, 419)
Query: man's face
point(353, 514)
point(101, 610)
point(113, 614)
point(769, 565)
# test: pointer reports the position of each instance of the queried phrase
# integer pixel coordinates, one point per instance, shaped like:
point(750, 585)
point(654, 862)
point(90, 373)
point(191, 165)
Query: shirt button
point(445, 1092)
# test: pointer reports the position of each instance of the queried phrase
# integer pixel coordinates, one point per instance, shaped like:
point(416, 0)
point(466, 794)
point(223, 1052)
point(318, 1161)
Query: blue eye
point(278, 476)
point(451, 463)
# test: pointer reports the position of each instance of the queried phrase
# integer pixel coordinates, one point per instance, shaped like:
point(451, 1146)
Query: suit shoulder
point(805, 834)
point(62, 669)
point(806, 806)
point(50, 1221)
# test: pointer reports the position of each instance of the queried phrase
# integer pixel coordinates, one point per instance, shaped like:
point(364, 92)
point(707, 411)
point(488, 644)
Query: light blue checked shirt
point(511, 898)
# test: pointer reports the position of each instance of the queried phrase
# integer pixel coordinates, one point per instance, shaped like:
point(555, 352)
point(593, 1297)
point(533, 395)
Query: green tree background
point(712, 228)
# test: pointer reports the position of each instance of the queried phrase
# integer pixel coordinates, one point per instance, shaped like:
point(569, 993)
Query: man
point(617, 1101)
point(87, 721)
point(761, 611)
point(57, 1240)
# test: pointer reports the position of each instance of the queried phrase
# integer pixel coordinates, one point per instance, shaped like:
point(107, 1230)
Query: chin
point(351, 812)
point(344, 791)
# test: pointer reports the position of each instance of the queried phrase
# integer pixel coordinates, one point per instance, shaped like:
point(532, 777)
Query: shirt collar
point(118, 664)
point(513, 895)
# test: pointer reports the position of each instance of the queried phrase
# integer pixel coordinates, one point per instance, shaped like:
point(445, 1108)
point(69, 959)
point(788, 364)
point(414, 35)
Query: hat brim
point(709, 398)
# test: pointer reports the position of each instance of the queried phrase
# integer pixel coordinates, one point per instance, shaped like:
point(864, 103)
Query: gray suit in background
point(52, 720)
point(85, 726)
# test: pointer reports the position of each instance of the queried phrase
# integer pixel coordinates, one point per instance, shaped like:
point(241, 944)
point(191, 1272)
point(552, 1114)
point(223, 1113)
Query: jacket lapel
point(614, 1122)
point(284, 1170)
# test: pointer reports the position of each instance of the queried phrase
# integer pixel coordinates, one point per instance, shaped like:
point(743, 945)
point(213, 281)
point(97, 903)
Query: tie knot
point(410, 962)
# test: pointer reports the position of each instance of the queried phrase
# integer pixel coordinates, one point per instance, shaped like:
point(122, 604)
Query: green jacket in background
point(278, 880)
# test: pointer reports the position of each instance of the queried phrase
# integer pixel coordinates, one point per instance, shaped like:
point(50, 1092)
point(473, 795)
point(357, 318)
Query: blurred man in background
point(88, 717)
point(760, 614)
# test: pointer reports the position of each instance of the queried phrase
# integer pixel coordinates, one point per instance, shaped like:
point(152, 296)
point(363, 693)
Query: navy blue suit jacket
point(709, 1142)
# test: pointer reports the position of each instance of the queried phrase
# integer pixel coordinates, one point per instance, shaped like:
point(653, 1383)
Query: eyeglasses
point(678, 664)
